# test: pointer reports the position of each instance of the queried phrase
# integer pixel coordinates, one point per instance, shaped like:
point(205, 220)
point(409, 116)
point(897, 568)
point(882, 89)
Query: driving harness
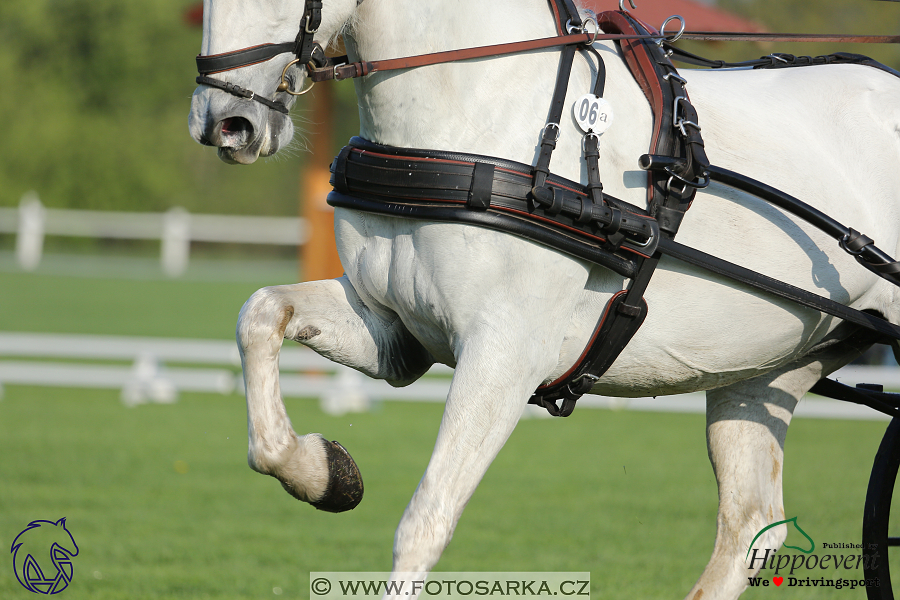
point(581, 220)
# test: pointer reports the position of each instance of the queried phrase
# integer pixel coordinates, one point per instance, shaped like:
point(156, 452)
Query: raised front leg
point(329, 317)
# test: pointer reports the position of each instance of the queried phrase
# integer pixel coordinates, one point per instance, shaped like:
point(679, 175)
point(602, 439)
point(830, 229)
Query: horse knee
point(263, 318)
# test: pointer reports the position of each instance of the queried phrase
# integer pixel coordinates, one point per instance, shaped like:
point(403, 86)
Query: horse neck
point(494, 106)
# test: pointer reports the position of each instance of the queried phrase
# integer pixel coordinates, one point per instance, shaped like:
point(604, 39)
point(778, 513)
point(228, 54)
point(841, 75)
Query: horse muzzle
point(240, 130)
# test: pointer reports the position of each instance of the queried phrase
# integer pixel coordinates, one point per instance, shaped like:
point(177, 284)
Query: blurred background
point(126, 251)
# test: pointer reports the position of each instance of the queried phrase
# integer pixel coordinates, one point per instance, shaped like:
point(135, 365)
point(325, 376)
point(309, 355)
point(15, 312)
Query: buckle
point(579, 382)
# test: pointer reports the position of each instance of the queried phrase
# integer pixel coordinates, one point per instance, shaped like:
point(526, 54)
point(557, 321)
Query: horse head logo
point(42, 556)
point(788, 522)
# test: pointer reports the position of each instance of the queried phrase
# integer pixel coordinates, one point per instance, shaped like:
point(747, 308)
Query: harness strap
point(566, 16)
point(228, 61)
point(240, 92)
point(362, 68)
point(778, 288)
point(859, 245)
point(550, 134)
point(623, 316)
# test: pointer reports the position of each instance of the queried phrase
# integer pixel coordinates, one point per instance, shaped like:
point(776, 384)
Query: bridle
point(305, 50)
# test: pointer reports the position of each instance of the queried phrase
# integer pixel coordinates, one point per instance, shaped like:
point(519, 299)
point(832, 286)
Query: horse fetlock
point(301, 465)
point(313, 470)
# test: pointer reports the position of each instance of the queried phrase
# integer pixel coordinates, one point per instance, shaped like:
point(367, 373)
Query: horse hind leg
point(329, 317)
point(746, 425)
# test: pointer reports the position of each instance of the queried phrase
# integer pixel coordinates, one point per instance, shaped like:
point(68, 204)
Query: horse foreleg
point(329, 317)
point(486, 399)
point(746, 425)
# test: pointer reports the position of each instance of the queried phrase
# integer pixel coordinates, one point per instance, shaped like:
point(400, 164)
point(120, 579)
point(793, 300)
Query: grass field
point(162, 504)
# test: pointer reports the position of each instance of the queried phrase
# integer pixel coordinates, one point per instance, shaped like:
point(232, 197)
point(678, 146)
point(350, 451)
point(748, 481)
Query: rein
point(340, 71)
point(320, 68)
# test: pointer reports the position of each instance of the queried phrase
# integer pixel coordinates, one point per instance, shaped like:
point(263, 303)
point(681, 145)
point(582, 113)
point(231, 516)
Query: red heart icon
point(778, 580)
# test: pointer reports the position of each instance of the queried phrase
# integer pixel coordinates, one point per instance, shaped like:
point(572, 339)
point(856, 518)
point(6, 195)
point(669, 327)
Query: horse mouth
point(241, 137)
point(238, 141)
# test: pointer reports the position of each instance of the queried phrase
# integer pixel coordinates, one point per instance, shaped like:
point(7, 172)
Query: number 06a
point(593, 114)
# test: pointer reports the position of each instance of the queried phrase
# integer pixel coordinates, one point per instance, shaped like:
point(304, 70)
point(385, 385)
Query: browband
point(227, 61)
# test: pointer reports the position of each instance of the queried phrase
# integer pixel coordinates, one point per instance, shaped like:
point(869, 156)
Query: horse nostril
point(236, 126)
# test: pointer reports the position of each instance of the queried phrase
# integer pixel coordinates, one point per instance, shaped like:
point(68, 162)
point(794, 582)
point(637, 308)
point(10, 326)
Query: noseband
point(306, 52)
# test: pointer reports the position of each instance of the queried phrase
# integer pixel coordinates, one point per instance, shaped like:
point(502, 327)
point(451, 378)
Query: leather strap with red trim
point(675, 157)
point(450, 186)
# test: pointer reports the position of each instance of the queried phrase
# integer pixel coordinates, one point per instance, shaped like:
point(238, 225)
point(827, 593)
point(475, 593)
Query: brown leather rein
point(362, 68)
point(321, 69)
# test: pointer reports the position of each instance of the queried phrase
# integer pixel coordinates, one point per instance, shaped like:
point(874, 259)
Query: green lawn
point(628, 496)
point(158, 307)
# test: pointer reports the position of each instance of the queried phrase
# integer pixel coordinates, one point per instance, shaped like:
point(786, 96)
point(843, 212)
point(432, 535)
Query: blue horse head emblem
point(42, 556)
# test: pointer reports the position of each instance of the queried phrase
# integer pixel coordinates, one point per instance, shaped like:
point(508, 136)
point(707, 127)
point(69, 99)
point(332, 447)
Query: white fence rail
point(150, 374)
point(175, 229)
point(157, 369)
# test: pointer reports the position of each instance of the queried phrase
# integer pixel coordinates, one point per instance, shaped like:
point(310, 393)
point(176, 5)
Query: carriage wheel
point(878, 510)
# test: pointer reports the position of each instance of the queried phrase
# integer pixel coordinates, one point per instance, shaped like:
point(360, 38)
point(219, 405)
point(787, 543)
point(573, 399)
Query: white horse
point(510, 314)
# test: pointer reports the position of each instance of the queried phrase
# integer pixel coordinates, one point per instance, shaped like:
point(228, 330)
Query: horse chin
point(238, 156)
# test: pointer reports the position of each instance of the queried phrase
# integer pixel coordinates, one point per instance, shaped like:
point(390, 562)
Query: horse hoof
point(345, 485)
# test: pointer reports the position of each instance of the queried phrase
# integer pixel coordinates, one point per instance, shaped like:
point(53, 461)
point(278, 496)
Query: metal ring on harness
point(675, 37)
point(622, 5)
point(701, 183)
point(570, 28)
point(596, 29)
point(649, 241)
point(284, 86)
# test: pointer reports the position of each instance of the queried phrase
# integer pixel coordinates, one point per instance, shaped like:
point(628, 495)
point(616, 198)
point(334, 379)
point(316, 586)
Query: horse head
point(41, 544)
point(244, 130)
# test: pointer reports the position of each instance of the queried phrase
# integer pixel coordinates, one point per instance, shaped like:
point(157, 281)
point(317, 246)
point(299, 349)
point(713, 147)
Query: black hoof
point(345, 485)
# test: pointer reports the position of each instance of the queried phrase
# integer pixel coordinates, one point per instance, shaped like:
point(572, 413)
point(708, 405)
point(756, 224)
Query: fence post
point(176, 241)
point(30, 236)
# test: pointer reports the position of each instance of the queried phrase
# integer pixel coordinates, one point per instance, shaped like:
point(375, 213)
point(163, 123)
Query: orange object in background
point(318, 256)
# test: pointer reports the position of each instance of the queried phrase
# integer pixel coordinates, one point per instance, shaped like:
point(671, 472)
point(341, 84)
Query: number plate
point(593, 114)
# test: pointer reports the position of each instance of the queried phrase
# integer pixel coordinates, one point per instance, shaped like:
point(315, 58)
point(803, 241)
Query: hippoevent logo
point(808, 569)
point(42, 556)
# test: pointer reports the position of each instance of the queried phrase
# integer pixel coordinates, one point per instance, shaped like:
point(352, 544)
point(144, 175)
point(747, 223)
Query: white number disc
point(593, 114)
